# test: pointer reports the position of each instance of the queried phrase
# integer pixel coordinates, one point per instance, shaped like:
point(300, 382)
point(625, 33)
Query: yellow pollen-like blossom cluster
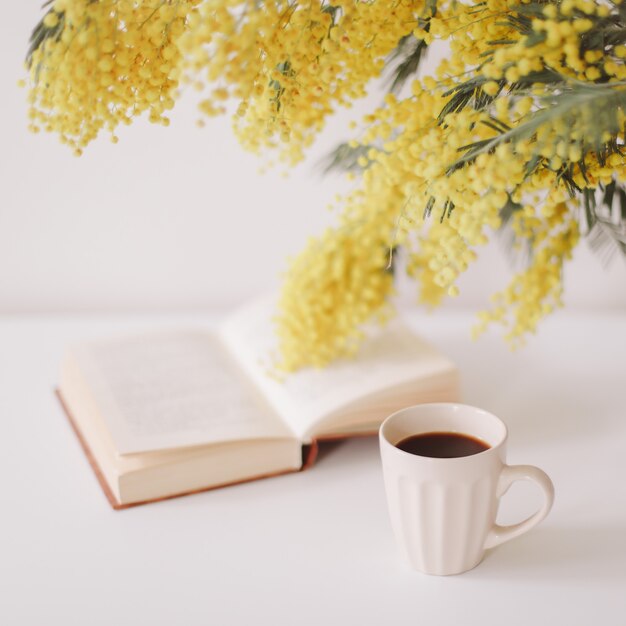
point(444, 205)
point(102, 63)
point(324, 304)
point(288, 65)
point(518, 126)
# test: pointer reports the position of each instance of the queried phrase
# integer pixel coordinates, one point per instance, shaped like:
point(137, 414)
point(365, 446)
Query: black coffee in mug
point(442, 445)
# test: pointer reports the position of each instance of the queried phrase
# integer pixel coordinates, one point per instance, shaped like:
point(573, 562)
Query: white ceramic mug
point(443, 510)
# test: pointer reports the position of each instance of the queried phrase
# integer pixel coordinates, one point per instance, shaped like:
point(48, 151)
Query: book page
point(389, 357)
point(173, 389)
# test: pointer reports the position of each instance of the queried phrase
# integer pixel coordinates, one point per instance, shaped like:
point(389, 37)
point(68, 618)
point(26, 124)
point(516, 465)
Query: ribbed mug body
point(442, 510)
point(441, 521)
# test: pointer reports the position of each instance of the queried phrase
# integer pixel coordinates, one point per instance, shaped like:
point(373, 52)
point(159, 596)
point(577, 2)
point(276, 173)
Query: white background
point(316, 548)
point(177, 218)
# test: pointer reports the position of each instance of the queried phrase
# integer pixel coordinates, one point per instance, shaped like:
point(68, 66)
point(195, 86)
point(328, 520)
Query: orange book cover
point(309, 454)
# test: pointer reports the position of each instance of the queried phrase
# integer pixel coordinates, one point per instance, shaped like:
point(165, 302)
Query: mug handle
point(510, 473)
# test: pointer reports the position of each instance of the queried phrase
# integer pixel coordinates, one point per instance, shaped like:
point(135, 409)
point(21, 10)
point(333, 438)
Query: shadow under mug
point(443, 510)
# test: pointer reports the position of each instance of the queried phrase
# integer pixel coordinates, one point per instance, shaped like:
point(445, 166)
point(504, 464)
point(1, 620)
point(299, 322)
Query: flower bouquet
point(520, 127)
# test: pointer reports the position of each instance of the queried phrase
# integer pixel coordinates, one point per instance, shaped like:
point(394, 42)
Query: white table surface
point(316, 547)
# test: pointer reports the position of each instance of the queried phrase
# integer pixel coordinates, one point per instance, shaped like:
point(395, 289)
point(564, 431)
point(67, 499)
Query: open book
point(169, 413)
